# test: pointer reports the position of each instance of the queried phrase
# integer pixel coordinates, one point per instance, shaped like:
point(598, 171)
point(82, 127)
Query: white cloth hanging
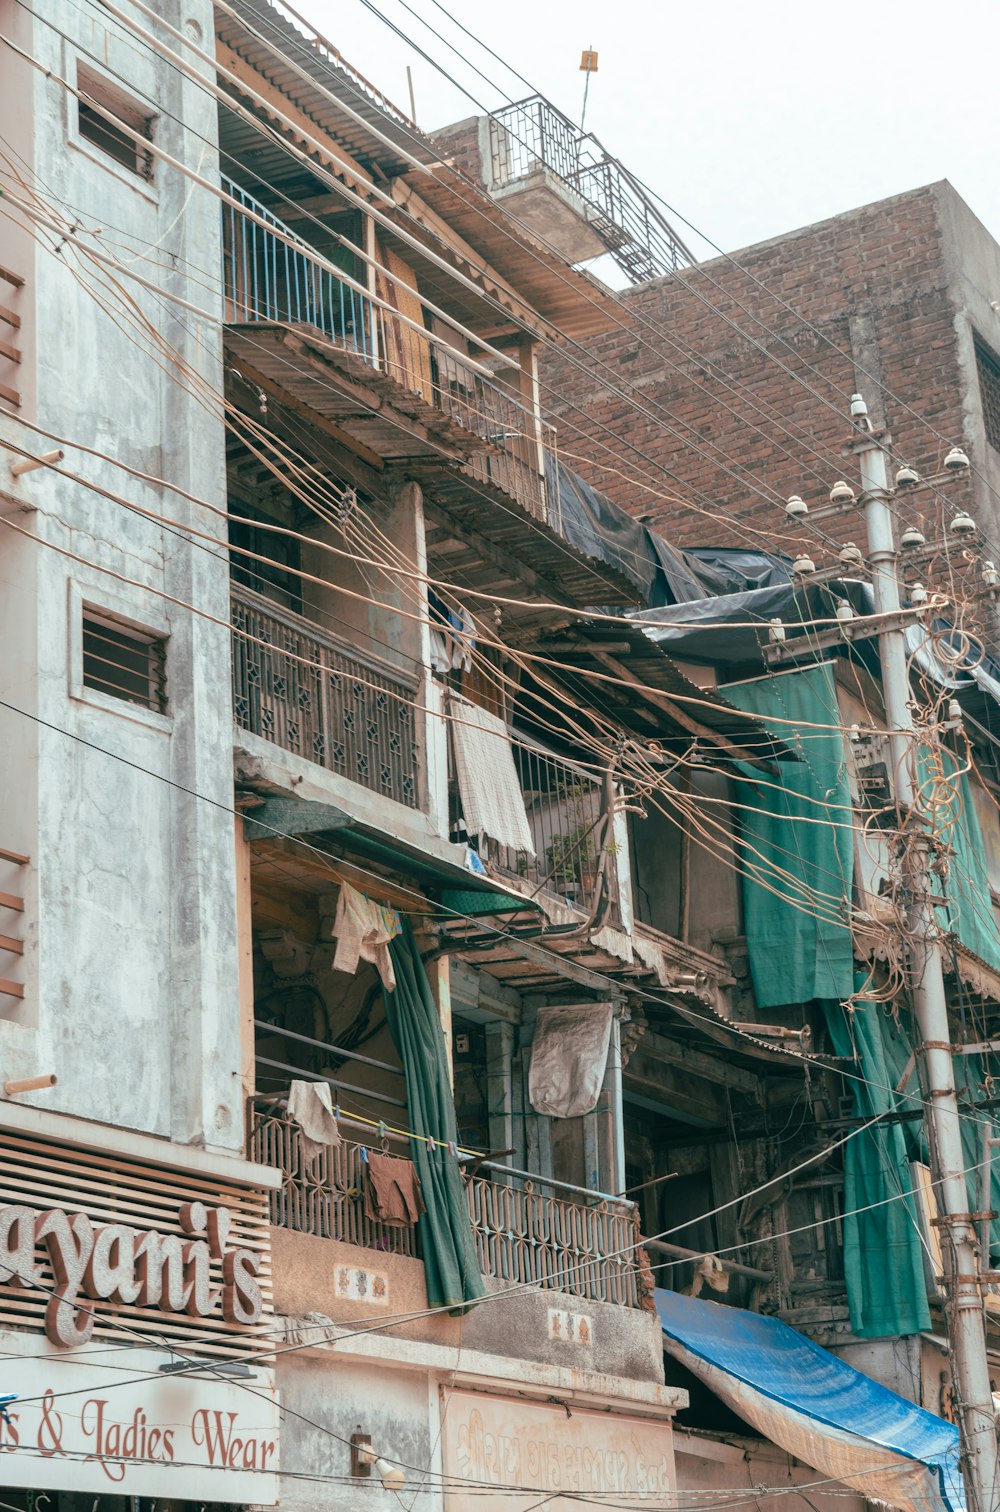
point(492, 800)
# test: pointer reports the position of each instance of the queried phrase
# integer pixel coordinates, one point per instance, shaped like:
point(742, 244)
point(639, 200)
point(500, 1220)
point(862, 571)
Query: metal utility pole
point(964, 1305)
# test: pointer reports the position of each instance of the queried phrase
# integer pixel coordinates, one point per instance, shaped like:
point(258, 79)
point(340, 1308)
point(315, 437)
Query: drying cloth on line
point(392, 1191)
point(569, 1056)
point(363, 930)
point(492, 801)
point(310, 1106)
point(816, 1407)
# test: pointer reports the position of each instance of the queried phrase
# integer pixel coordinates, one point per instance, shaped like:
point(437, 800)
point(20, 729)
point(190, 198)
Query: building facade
point(382, 1021)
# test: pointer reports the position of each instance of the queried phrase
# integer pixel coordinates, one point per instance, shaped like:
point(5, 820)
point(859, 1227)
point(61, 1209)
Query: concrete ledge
point(108, 1139)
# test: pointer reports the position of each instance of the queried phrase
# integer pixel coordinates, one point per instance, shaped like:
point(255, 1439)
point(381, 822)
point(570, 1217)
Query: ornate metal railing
point(325, 1196)
point(522, 1235)
point(267, 280)
point(532, 134)
point(312, 695)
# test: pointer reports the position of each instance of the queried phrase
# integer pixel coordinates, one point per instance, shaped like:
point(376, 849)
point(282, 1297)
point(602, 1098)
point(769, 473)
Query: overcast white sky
point(750, 118)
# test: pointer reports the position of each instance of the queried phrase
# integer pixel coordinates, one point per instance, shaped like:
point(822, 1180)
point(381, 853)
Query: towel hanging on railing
point(309, 1104)
point(492, 800)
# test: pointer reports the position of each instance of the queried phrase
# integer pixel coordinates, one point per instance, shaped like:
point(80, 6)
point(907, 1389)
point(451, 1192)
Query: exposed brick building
point(897, 294)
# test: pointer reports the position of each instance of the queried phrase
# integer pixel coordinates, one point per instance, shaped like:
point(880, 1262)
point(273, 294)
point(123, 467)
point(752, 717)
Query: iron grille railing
point(522, 1235)
point(268, 281)
point(324, 1196)
point(532, 134)
point(564, 805)
point(312, 695)
point(527, 1236)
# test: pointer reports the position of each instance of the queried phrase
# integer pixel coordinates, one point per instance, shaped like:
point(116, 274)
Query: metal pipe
point(366, 1060)
point(296, 1071)
point(550, 1181)
point(687, 1254)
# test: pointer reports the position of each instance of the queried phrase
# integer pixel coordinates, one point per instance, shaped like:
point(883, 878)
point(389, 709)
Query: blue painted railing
point(266, 279)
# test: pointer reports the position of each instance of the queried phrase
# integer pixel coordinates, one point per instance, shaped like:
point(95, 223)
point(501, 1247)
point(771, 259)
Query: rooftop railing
point(271, 276)
point(317, 697)
point(533, 134)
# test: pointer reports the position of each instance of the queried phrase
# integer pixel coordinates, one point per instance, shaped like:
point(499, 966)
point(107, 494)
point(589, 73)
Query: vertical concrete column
point(499, 1085)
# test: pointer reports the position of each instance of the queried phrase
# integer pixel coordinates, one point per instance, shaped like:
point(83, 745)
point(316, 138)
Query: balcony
point(437, 405)
point(564, 184)
point(319, 698)
point(583, 1247)
point(565, 811)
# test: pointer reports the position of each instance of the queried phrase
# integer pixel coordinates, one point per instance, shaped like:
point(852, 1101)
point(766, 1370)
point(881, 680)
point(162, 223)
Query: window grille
point(123, 662)
point(988, 368)
point(111, 137)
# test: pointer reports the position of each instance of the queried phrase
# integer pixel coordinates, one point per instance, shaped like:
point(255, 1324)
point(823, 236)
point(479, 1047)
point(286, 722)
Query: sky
point(749, 119)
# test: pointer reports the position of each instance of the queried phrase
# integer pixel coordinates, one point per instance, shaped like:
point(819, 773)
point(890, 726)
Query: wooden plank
point(15, 856)
point(304, 412)
point(8, 943)
point(10, 277)
point(10, 352)
point(11, 395)
point(10, 900)
point(11, 989)
point(10, 317)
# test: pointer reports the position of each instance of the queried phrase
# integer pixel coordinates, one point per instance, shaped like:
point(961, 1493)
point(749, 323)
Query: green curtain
point(449, 1249)
point(883, 1253)
point(970, 911)
point(799, 945)
point(797, 957)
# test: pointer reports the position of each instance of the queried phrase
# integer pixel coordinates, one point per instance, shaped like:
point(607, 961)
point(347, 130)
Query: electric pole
point(964, 1304)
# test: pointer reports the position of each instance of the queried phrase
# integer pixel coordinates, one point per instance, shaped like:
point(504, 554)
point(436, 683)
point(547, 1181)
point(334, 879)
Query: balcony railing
point(267, 280)
point(532, 134)
point(564, 805)
point(522, 1235)
point(312, 695)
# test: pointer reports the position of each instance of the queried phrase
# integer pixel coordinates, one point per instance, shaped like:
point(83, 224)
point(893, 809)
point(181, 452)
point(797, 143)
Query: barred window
point(111, 136)
point(123, 662)
point(988, 368)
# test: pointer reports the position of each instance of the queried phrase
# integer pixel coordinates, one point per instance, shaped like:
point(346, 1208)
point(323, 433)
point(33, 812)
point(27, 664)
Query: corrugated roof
point(320, 84)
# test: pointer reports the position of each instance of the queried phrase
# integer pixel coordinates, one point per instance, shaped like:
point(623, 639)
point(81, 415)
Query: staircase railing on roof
point(533, 134)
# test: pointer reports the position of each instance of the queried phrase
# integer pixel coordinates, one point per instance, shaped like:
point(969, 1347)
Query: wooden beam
point(666, 703)
point(713, 1068)
point(305, 412)
point(9, 317)
point(287, 116)
point(491, 552)
point(561, 966)
point(474, 264)
point(673, 1092)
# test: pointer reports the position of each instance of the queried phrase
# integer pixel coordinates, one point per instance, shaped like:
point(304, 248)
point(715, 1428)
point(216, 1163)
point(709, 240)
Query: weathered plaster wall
point(131, 976)
point(716, 1462)
point(622, 1341)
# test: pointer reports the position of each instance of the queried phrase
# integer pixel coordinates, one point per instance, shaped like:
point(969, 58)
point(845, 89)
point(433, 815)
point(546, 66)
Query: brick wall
point(724, 422)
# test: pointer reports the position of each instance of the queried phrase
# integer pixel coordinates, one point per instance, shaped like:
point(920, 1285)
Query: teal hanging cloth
point(797, 872)
point(446, 1238)
point(883, 1254)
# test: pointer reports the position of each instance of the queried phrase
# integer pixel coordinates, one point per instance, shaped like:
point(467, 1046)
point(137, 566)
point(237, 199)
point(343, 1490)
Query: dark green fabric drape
point(798, 873)
point(883, 1255)
point(449, 1249)
point(801, 950)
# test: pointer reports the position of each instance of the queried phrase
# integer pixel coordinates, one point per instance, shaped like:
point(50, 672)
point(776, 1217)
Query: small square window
point(988, 368)
point(111, 136)
point(123, 662)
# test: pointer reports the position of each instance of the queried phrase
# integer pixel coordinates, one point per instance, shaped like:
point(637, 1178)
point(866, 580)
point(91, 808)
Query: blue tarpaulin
point(816, 1407)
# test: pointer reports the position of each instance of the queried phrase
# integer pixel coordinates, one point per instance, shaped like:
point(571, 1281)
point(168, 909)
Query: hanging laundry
point(392, 1191)
point(492, 800)
point(363, 930)
point(309, 1105)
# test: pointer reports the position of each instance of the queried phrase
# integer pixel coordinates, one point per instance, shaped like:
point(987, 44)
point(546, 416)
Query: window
point(111, 137)
point(123, 662)
point(988, 368)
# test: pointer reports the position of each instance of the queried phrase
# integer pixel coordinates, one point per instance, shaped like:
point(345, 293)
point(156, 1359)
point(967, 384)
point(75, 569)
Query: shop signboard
point(111, 1421)
point(545, 1448)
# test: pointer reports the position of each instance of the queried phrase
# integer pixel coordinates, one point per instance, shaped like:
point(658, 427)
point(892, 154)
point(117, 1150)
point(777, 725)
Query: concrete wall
point(714, 1462)
point(131, 967)
point(622, 1341)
